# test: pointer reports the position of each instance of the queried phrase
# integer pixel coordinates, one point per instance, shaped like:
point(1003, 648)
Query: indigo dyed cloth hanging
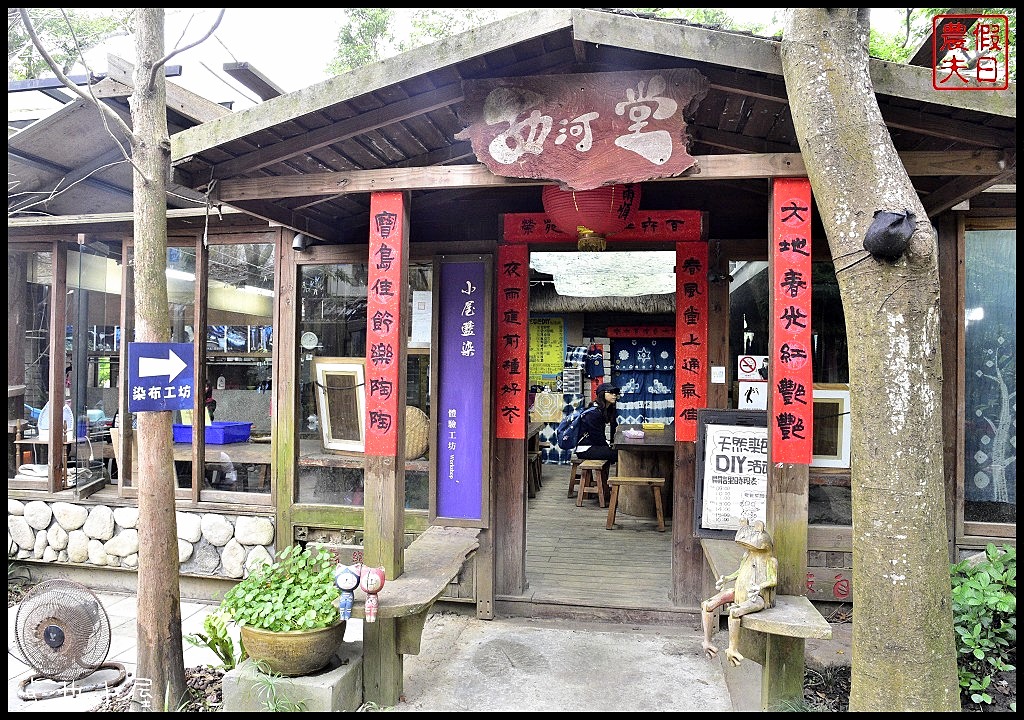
point(645, 370)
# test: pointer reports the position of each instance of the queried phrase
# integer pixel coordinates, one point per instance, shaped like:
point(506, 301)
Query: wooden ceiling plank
point(330, 134)
point(956, 130)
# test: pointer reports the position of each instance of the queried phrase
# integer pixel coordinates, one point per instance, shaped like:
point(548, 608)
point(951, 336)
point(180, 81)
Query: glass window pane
point(990, 382)
point(30, 290)
point(92, 346)
point(332, 324)
point(239, 340)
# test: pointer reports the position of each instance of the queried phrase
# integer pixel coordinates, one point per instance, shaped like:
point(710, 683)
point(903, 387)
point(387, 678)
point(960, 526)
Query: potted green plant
point(287, 611)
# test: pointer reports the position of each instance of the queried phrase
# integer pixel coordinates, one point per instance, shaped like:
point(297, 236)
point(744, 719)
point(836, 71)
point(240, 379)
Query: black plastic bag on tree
point(889, 234)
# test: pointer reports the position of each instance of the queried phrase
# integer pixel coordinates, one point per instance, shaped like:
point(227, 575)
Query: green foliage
point(985, 619)
point(265, 686)
point(217, 638)
point(66, 33)
point(297, 592)
point(371, 34)
point(363, 38)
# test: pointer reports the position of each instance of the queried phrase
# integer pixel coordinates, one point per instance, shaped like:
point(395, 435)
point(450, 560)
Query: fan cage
point(77, 614)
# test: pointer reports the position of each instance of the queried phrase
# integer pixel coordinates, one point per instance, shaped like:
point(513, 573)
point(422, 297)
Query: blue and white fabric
point(645, 370)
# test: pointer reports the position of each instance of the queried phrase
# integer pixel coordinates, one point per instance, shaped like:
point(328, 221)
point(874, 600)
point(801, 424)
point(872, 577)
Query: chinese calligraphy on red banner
point(385, 307)
point(691, 336)
point(792, 409)
point(513, 297)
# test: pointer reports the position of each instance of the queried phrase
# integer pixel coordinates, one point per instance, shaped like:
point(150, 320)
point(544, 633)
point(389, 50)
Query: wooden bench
point(656, 484)
point(432, 561)
point(772, 636)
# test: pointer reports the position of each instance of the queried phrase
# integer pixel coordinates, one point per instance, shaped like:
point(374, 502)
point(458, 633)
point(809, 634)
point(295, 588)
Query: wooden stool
point(574, 474)
point(538, 466)
point(532, 474)
point(591, 485)
point(656, 485)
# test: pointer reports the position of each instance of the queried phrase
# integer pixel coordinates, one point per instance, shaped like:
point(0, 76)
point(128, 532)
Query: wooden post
point(512, 293)
point(384, 477)
point(790, 421)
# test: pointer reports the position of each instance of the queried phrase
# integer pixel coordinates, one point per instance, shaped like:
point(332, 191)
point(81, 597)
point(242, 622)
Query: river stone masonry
point(209, 544)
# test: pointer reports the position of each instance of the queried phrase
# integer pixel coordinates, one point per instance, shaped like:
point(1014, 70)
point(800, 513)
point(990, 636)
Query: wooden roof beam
point(962, 188)
point(184, 102)
point(712, 167)
point(253, 79)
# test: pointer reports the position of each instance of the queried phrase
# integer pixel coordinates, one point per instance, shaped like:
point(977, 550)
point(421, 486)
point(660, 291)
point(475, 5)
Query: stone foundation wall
point(209, 544)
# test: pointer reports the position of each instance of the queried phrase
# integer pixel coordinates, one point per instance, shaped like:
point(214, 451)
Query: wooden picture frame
point(831, 447)
point(341, 402)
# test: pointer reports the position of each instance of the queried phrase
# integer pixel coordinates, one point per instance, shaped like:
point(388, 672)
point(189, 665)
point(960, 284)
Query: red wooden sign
point(791, 411)
point(650, 225)
point(691, 337)
point(584, 130)
point(385, 306)
point(512, 335)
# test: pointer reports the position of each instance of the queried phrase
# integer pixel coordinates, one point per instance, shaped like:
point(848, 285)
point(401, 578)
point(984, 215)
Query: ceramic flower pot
point(299, 652)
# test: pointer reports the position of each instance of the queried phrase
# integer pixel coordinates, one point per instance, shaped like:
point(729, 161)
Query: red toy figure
point(371, 581)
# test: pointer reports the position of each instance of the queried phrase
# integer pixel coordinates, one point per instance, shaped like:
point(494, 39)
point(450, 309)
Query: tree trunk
point(904, 656)
point(161, 668)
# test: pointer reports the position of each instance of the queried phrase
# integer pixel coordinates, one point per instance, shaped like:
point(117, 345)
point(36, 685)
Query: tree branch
point(163, 61)
point(107, 112)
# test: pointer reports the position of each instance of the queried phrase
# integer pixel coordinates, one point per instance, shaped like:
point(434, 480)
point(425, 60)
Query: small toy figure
point(753, 589)
point(371, 581)
point(346, 577)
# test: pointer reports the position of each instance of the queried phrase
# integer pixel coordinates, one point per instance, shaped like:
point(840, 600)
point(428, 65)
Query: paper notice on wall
point(421, 304)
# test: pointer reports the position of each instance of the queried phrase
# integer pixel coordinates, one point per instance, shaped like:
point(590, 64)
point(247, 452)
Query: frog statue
point(753, 588)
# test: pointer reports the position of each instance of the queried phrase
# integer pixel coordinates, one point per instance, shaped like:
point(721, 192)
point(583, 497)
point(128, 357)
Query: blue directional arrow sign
point(161, 376)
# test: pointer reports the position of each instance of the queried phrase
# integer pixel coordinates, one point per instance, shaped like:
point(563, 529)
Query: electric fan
point(63, 633)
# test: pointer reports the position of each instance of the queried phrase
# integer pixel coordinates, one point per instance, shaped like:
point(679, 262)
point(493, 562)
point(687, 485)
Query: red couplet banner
point(513, 295)
point(691, 337)
point(791, 412)
point(385, 305)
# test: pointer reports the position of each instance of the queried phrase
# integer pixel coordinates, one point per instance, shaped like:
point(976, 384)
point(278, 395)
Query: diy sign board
point(732, 471)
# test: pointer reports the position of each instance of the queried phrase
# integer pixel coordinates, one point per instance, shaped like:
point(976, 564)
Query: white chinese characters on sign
point(655, 145)
point(528, 135)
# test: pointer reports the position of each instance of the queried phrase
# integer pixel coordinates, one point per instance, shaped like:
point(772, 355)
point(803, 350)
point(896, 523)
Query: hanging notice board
point(732, 471)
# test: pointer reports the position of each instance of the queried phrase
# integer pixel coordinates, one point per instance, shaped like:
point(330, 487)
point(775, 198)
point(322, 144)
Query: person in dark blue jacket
point(593, 444)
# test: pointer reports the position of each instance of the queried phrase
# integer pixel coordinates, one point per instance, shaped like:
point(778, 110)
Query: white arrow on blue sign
point(161, 376)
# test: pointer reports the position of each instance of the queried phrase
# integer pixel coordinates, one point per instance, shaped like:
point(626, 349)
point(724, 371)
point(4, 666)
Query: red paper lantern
point(592, 214)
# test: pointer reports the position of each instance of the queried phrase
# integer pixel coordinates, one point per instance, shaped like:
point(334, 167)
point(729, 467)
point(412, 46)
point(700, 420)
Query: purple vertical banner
point(463, 350)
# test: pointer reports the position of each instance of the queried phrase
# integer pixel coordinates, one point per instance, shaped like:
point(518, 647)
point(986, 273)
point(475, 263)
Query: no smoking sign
point(752, 367)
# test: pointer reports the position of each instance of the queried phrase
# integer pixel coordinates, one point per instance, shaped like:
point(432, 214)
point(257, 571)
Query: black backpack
point(567, 434)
